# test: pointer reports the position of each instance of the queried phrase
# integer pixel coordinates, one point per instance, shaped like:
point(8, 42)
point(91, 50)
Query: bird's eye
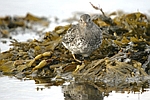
point(89, 20)
point(80, 20)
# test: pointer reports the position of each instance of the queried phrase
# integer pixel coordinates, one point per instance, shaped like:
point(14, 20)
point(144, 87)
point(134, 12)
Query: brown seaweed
point(123, 56)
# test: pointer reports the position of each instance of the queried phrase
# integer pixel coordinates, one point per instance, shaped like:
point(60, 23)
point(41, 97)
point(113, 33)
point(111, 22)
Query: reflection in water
point(97, 91)
point(89, 90)
point(47, 89)
point(81, 91)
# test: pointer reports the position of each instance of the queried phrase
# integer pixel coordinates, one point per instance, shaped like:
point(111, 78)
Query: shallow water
point(14, 89)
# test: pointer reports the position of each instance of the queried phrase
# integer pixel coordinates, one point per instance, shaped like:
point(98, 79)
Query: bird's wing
point(94, 35)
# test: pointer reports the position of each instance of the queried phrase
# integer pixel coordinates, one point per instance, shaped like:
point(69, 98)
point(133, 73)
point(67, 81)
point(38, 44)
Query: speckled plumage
point(84, 37)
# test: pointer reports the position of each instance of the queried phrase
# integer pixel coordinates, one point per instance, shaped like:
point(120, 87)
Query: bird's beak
point(85, 23)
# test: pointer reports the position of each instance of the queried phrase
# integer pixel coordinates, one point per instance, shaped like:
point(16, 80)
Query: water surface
point(14, 89)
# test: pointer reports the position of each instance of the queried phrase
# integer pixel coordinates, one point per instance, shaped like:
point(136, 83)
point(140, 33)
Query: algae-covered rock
point(124, 53)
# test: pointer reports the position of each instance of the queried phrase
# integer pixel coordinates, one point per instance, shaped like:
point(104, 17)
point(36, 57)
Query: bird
point(83, 38)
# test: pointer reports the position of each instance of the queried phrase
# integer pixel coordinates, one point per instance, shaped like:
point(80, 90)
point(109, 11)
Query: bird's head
point(85, 20)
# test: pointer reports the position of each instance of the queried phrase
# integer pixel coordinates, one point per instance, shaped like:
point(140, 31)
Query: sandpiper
point(83, 38)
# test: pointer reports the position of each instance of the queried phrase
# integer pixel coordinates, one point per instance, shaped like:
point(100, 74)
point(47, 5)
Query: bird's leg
point(76, 59)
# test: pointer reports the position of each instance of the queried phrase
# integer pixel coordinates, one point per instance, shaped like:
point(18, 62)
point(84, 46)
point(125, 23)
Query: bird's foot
point(76, 59)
